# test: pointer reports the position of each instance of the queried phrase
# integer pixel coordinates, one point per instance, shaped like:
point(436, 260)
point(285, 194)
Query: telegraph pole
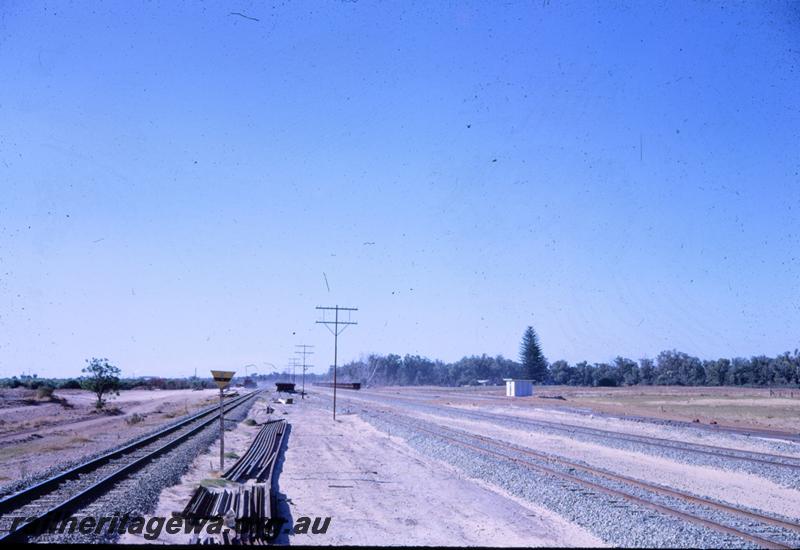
point(304, 352)
point(336, 331)
point(293, 364)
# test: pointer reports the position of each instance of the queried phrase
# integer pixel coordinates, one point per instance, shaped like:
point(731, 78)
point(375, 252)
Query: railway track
point(491, 445)
point(69, 490)
point(760, 529)
point(757, 457)
point(715, 429)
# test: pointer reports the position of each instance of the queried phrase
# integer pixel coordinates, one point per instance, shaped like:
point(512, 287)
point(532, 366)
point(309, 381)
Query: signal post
point(222, 378)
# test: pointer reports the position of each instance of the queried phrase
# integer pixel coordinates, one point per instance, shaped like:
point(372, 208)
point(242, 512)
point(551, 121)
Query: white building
point(519, 388)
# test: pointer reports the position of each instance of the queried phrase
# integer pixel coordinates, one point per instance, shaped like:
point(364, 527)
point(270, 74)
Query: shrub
point(44, 392)
point(102, 379)
point(70, 384)
point(135, 418)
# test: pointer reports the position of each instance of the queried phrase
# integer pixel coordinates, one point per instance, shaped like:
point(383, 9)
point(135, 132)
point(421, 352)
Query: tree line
point(34, 381)
point(671, 367)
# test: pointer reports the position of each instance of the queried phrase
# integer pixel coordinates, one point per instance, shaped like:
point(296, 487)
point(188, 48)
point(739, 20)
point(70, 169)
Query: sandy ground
point(34, 437)
point(377, 490)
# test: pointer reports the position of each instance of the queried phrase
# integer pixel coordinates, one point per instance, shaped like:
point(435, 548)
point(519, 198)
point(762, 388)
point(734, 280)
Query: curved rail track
point(712, 429)
point(66, 492)
point(771, 459)
point(757, 528)
point(563, 469)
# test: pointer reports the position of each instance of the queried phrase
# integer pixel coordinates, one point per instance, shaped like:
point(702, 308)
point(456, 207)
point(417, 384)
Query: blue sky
point(177, 178)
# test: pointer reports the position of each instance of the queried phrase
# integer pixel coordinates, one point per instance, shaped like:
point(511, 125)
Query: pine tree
point(534, 365)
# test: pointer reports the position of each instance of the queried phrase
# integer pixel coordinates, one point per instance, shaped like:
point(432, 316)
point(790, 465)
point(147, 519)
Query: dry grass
point(135, 418)
point(43, 446)
point(751, 407)
point(214, 482)
point(11, 451)
point(69, 443)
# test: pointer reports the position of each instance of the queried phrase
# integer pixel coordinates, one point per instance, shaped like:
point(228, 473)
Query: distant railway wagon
point(287, 387)
point(340, 385)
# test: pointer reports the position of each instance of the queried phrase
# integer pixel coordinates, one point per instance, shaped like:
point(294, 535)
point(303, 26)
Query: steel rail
point(31, 494)
point(758, 457)
point(253, 499)
point(719, 527)
point(644, 485)
point(415, 424)
point(624, 479)
point(258, 461)
point(713, 429)
point(13, 501)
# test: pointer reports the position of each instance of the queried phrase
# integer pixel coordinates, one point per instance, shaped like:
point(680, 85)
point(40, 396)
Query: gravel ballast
point(137, 495)
point(616, 522)
point(615, 519)
point(781, 475)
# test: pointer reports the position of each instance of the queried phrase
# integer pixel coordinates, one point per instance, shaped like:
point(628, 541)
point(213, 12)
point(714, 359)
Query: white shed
point(519, 388)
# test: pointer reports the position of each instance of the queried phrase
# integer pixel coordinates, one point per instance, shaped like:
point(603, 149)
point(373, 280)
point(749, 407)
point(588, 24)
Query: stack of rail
point(251, 501)
point(247, 505)
point(259, 460)
point(245, 500)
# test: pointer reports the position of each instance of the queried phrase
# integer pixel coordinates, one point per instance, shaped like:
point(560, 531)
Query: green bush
point(70, 384)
